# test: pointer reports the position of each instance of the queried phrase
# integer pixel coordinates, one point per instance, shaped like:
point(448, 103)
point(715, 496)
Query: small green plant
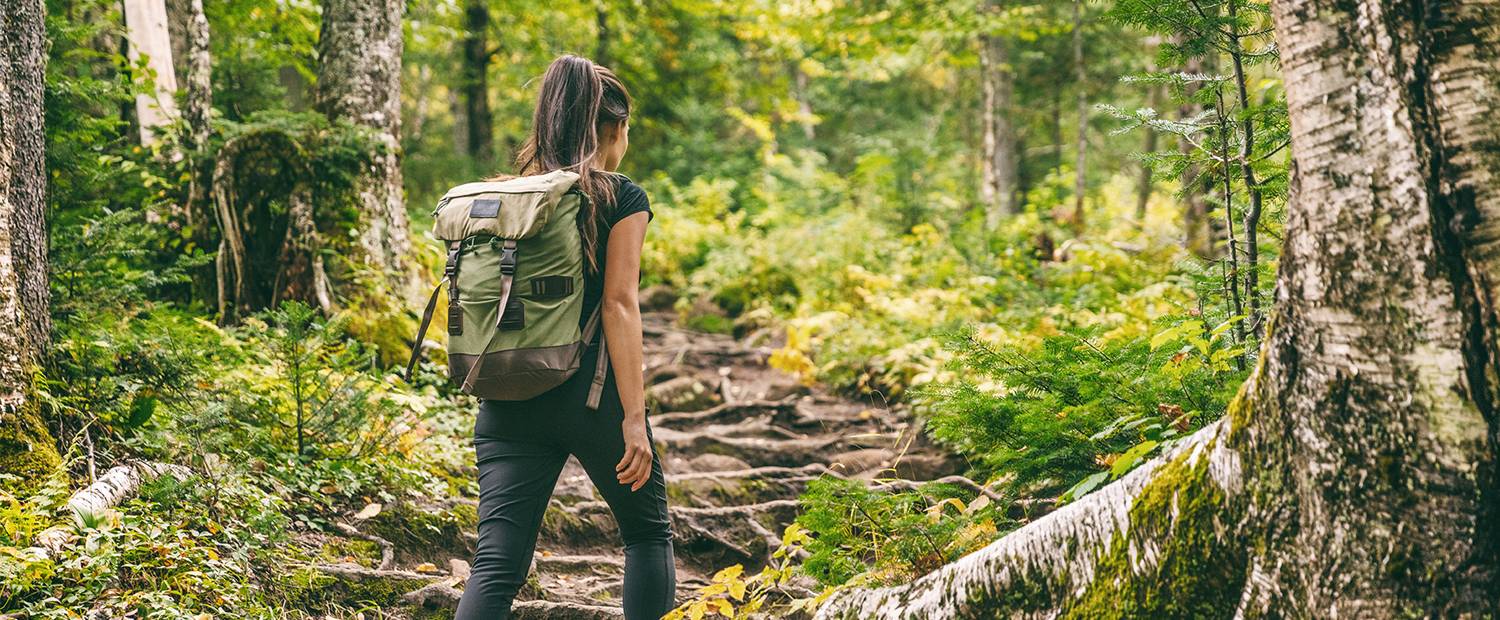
point(312, 392)
point(733, 595)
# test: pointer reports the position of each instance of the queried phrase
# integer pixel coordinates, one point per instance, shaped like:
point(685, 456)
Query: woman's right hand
point(635, 468)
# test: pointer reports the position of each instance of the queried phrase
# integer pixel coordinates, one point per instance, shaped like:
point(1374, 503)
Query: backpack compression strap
point(507, 279)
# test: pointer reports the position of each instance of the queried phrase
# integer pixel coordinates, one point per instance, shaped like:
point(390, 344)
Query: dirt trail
point(740, 441)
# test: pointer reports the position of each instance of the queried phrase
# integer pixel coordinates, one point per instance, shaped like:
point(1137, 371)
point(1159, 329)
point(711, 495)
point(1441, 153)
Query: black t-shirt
point(629, 200)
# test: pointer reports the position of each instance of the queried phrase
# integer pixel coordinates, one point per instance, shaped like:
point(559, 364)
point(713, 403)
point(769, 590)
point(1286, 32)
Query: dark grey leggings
point(521, 448)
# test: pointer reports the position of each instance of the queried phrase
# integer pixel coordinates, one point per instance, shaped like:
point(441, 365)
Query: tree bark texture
point(997, 190)
point(476, 85)
point(1355, 474)
point(146, 29)
point(197, 115)
point(359, 79)
point(27, 449)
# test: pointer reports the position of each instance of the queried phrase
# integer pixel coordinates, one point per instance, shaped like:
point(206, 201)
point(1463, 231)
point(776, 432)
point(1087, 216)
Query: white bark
point(120, 483)
point(1356, 475)
point(997, 189)
point(146, 30)
point(1065, 545)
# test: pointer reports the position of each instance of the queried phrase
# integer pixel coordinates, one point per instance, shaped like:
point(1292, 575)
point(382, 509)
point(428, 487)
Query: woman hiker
point(582, 124)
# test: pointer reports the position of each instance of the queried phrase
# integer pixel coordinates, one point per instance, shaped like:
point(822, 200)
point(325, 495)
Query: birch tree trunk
point(1355, 475)
point(146, 29)
point(359, 79)
point(27, 448)
point(1080, 163)
point(997, 190)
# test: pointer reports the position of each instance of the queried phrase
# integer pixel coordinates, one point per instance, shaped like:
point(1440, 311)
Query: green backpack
point(515, 287)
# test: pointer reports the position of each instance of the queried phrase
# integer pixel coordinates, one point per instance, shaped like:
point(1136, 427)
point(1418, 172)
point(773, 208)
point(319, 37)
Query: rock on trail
point(739, 442)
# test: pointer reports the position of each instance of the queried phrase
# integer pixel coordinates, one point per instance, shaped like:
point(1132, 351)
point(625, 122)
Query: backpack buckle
point(508, 258)
point(451, 268)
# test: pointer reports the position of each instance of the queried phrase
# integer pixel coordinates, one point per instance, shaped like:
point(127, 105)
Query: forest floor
point(739, 442)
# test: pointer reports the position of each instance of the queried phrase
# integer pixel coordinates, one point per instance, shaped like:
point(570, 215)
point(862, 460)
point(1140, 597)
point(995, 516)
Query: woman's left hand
point(635, 468)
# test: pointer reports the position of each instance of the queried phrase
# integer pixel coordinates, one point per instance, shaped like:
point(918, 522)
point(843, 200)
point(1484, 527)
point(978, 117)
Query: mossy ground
point(426, 533)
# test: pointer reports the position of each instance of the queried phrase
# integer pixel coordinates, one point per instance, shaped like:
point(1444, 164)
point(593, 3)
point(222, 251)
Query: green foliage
point(311, 392)
point(814, 169)
point(875, 537)
point(1055, 408)
point(179, 550)
point(729, 594)
point(119, 370)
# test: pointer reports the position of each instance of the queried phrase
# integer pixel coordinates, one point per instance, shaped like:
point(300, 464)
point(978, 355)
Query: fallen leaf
point(369, 511)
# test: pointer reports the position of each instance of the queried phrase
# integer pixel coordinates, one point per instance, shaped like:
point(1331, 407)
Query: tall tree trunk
point(1355, 475)
point(997, 189)
point(146, 29)
point(1200, 231)
point(805, 116)
point(359, 79)
point(197, 111)
point(601, 23)
point(27, 449)
point(1247, 175)
point(1080, 164)
point(480, 137)
point(1143, 184)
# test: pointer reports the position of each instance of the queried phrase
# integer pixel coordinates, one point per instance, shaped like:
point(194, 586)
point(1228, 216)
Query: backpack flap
point(511, 209)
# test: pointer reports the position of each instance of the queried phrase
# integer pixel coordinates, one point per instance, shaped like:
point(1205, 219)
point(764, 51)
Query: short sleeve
point(629, 200)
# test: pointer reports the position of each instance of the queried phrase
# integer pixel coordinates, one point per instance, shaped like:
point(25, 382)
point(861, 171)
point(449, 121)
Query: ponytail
point(577, 96)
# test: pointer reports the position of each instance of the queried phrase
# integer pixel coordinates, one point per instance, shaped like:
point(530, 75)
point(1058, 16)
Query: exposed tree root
point(760, 451)
point(387, 550)
point(726, 412)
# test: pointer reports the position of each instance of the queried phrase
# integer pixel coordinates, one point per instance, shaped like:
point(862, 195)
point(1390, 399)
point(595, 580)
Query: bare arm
point(622, 332)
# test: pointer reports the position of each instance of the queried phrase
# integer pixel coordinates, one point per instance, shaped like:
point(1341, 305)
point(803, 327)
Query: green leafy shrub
point(875, 537)
point(1080, 402)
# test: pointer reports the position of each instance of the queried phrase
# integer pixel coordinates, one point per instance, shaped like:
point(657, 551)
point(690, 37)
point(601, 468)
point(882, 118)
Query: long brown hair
point(577, 98)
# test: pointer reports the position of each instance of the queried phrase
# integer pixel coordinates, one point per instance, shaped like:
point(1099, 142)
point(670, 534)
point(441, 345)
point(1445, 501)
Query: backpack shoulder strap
point(416, 346)
point(455, 315)
point(601, 369)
